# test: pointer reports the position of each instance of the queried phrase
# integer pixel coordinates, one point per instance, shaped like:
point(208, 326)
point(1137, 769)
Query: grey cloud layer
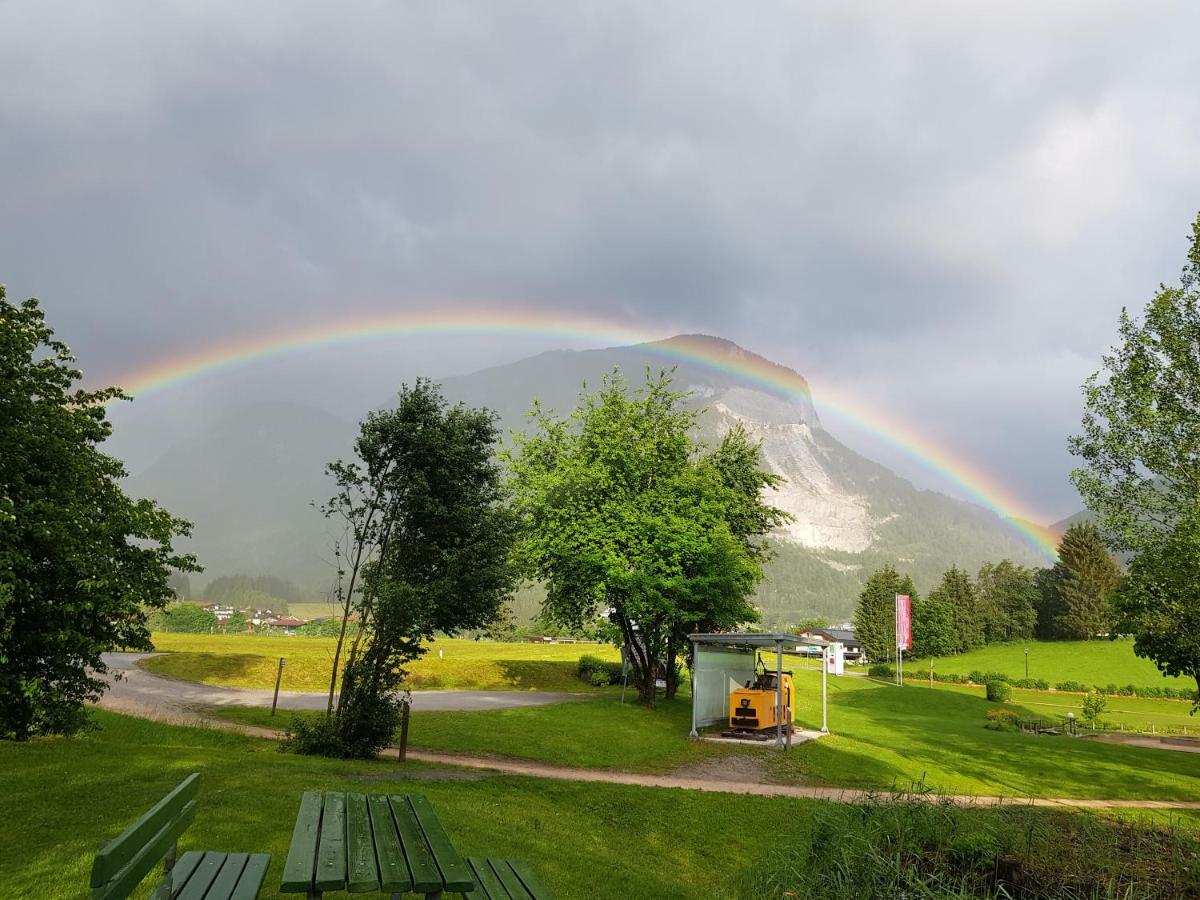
point(970, 190)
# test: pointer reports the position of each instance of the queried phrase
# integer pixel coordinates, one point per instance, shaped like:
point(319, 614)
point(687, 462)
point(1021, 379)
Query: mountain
point(246, 480)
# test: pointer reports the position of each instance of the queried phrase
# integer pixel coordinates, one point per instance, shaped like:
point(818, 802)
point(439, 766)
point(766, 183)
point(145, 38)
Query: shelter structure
point(718, 659)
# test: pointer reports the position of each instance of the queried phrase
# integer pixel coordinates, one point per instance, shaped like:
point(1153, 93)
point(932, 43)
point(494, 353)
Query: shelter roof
point(758, 639)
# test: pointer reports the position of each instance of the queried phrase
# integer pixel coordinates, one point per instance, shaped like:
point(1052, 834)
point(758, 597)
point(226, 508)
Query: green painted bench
point(358, 843)
point(505, 879)
point(123, 862)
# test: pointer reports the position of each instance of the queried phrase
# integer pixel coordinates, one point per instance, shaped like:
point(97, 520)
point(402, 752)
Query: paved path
point(139, 690)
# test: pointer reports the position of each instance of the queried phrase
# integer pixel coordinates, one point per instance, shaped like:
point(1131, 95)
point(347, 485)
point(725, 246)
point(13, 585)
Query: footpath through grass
point(1090, 662)
point(882, 737)
point(251, 661)
point(61, 798)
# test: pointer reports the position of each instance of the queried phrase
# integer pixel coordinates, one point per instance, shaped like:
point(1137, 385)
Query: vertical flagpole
point(896, 629)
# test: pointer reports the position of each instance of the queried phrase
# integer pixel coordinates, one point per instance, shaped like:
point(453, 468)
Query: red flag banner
point(903, 622)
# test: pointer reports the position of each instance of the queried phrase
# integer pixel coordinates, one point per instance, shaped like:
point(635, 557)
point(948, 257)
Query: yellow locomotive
point(754, 707)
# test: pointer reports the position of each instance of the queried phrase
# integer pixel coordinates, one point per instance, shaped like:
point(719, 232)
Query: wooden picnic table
point(359, 843)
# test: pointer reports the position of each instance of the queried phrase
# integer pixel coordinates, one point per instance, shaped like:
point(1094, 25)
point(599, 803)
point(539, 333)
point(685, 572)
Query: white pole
point(824, 695)
point(779, 695)
point(695, 664)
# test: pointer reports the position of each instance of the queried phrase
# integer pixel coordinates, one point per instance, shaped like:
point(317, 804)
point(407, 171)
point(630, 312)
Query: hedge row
point(882, 670)
point(599, 672)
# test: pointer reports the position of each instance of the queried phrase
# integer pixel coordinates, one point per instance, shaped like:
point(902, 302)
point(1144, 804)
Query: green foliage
point(185, 618)
point(235, 624)
point(430, 536)
point(1074, 687)
point(1159, 602)
point(1002, 719)
point(882, 670)
point(80, 563)
point(933, 627)
point(1081, 585)
point(875, 616)
point(599, 672)
point(919, 847)
point(623, 512)
point(999, 691)
point(1141, 426)
point(956, 593)
point(1093, 706)
point(1007, 598)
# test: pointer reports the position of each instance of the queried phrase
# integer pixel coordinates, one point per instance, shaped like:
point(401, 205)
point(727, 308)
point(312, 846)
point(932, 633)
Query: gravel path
point(138, 690)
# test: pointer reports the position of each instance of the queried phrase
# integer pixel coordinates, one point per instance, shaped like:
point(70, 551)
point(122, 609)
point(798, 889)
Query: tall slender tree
point(1007, 598)
point(958, 594)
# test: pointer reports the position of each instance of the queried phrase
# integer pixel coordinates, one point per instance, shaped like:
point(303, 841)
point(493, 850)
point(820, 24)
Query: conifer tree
point(1084, 580)
point(958, 594)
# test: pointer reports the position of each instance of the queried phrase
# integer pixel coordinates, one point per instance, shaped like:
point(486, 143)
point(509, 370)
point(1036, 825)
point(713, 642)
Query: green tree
point(875, 615)
point(1141, 467)
point(933, 627)
point(623, 513)
point(81, 564)
point(185, 618)
point(1048, 605)
point(1007, 598)
point(427, 550)
point(1084, 579)
point(1157, 603)
point(236, 623)
point(956, 592)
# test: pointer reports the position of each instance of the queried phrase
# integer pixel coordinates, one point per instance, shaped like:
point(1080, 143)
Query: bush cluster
point(1001, 719)
point(918, 847)
point(977, 676)
point(882, 670)
point(599, 672)
point(999, 691)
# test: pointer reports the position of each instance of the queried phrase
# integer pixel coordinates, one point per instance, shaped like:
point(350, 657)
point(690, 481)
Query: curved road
point(133, 688)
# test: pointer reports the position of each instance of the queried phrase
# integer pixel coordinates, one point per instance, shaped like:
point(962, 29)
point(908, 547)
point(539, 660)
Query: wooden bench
point(505, 879)
point(354, 842)
point(123, 862)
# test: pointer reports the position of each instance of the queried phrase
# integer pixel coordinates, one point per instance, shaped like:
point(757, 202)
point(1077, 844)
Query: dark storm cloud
point(972, 189)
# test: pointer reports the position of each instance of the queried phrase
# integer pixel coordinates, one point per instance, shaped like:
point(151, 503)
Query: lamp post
point(1026, 662)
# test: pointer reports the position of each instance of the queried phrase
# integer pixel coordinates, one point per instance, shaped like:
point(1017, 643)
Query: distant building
point(843, 636)
point(289, 624)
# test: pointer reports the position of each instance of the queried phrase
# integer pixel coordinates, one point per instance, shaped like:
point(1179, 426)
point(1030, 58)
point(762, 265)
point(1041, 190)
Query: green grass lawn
point(882, 737)
point(61, 798)
point(1090, 662)
point(251, 661)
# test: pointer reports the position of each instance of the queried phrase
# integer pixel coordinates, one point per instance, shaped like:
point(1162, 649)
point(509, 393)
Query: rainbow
point(697, 350)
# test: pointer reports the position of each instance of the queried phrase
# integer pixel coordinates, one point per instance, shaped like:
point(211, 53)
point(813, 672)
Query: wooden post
point(278, 678)
point(405, 705)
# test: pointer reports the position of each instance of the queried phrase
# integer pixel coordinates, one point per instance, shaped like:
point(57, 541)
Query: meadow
point(584, 840)
point(1089, 662)
point(251, 661)
point(882, 737)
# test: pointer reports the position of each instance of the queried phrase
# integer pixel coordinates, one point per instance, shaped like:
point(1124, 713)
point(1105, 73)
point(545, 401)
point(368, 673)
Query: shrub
point(1093, 706)
point(1032, 684)
point(949, 678)
point(999, 691)
point(1129, 691)
point(1001, 719)
point(1074, 687)
point(317, 736)
point(976, 676)
point(1111, 689)
point(599, 672)
point(881, 670)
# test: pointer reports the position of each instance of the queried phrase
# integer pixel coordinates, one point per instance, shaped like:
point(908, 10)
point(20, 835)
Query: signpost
point(278, 677)
point(903, 633)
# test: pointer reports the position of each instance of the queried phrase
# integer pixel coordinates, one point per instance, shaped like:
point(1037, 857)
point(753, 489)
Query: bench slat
point(302, 854)
point(485, 880)
point(509, 879)
point(393, 870)
point(147, 858)
point(362, 873)
point(425, 875)
point(182, 871)
point(227, 879)
point(117, 853)
point(252, 878)
point(532, 883)
point(455, 874)
point(331, 852)
point(206, 873)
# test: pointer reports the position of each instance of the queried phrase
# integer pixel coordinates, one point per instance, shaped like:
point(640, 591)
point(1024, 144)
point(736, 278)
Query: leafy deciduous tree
point(622, 514)
point(80, 562)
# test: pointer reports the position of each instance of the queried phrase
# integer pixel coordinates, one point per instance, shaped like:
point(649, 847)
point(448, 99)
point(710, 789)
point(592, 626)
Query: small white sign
point(835, 659)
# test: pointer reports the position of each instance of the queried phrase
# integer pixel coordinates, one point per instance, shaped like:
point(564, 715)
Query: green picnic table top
point(360, 843)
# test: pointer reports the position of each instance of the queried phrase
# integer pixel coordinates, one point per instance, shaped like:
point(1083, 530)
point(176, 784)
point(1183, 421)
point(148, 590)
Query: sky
point(938, 209)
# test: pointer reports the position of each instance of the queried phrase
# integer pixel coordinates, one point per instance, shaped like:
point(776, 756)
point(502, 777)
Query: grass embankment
point(881, 737)
point(62, 798)
point(1089, 662)
point(251, 661)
